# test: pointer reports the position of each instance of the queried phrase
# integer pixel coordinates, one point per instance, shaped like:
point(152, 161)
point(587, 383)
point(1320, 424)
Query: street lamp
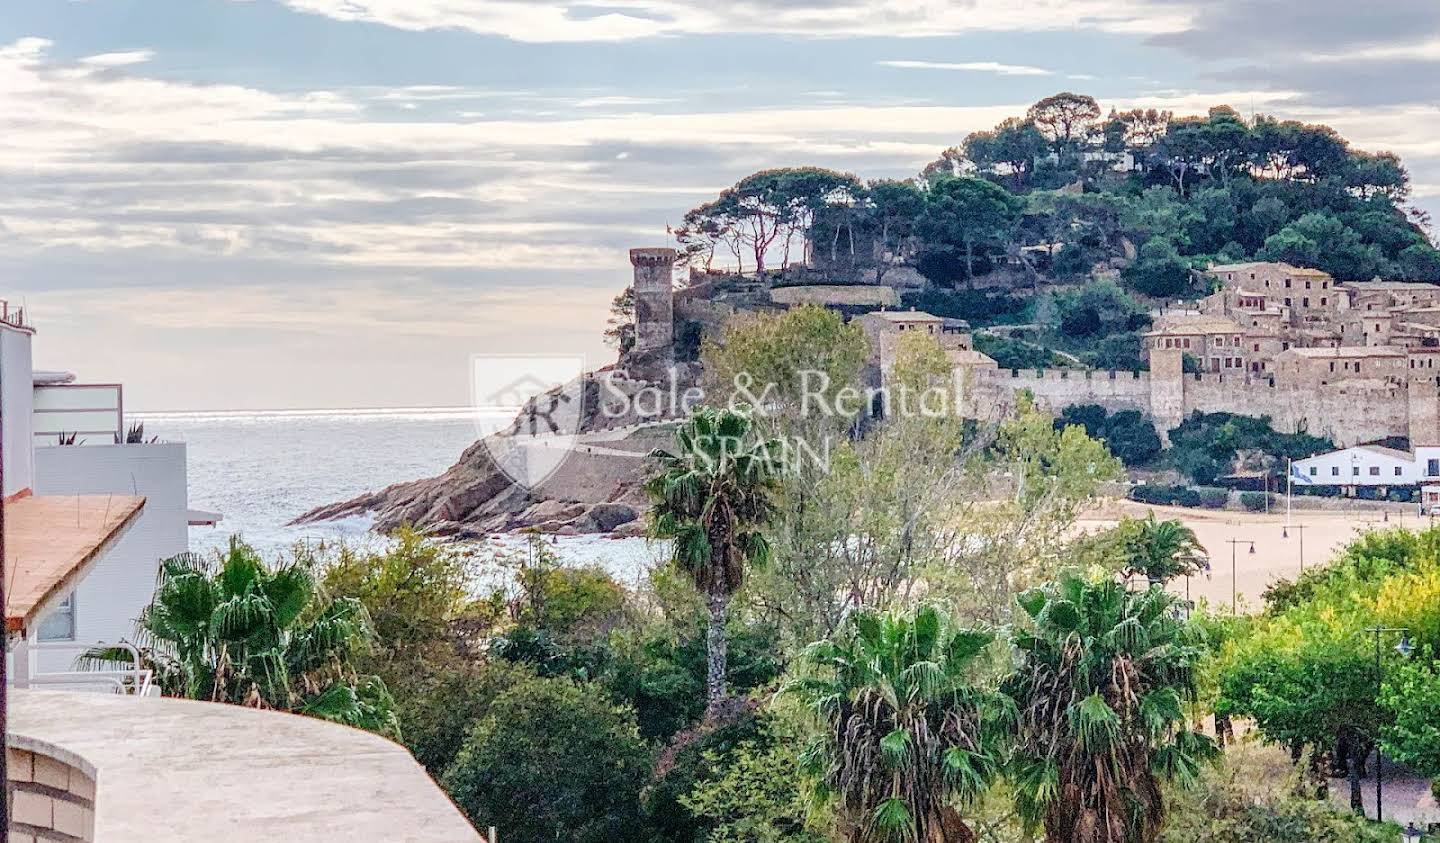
point(1412, 834)
point(1285, 534)
point(1404, 648)
point(1234, 577)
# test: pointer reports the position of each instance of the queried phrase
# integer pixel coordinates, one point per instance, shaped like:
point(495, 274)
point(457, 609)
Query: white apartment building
point(88, 521)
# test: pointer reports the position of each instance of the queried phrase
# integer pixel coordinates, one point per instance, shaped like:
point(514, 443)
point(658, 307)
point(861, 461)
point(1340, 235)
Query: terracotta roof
point(906, 316)
point(1348, 351)
point(1381, 286)
point(50, 543)
point(1194, 324)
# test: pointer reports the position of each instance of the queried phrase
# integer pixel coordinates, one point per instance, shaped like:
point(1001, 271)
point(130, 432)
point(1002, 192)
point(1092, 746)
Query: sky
point(251, 204)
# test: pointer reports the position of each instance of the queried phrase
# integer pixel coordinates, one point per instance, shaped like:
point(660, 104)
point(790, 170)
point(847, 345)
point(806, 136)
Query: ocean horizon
point(262, 468)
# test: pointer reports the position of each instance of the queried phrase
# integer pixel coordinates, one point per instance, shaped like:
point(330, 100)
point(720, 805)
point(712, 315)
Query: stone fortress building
point(1355, 362)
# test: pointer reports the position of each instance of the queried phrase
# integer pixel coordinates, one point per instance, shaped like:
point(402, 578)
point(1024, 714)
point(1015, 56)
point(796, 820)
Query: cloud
point(618, 20)
point(121, 188)
point(1277, 32)
point(118, 59)
point(972, 66)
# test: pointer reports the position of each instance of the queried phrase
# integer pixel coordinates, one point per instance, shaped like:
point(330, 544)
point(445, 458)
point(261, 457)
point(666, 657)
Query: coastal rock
point(597, 487)
point(608, 516)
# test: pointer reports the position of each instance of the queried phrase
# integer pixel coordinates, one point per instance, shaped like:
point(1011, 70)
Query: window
point(1287, 301)
point(1305, 302)
point(1374, 471)
point(1307, 285)
point(1354, 471)
point(59, 625)
point(1312, 471)
point(1432, 468)
point(1334, 471)
point(1287, 283)
point(1324, 301)
point(1398, 471)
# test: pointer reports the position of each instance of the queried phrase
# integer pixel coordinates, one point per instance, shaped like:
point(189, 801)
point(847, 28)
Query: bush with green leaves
point(978, 307)
point(553, 760)
point(1160, 495)
point(1255, 794)
point(1254, 501)
point(1213, 497)
point(1097, 309)
point(660, 673)
point(1205, 445)
point(1127, 433)
point(1014, 353)
point(754, 797)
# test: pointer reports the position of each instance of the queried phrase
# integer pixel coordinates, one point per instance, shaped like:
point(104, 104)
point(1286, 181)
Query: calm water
point(260, 469)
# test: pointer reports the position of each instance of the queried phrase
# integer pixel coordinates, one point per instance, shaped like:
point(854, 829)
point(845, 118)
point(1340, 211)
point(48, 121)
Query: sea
point(260, 469)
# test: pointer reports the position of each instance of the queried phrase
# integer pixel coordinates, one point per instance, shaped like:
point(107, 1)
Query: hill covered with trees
point(1119, 207)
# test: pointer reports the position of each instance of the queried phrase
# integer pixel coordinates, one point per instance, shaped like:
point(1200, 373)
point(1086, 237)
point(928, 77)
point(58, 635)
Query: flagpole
point(1289, 478)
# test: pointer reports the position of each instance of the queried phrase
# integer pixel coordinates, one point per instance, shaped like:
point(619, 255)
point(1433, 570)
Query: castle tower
point(654, 307)
point(1423, 398)
point(1167, 389)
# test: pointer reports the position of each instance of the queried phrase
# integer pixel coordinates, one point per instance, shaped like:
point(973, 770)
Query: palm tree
point(1161, 550)
point(230, 629)
point(905, 732)
point(1102, 677)
point(712, 497)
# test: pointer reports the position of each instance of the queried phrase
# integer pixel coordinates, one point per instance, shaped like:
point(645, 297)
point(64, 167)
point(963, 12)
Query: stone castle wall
point(1056, 389)
point(1347, 413)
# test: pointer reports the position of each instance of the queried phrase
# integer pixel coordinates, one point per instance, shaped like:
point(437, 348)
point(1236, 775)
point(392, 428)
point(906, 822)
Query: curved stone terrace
point(117, 769)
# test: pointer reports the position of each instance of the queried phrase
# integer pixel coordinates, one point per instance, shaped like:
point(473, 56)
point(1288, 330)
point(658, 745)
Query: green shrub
point(1164, 495)
point(974, 306)
point(1011, 353)
point(1127, 433)
point(1213, 497)
point(439, 708)
point(553, 760)
point(694, 756)
point(1254, 501)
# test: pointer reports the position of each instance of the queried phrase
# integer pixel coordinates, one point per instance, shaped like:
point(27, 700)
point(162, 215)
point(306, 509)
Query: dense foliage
point(1309, 674)
point(230, 628)
point(1103, 677)
point(1207, 446)
point(552, 760)
point(1127, 433)
point(906, 732)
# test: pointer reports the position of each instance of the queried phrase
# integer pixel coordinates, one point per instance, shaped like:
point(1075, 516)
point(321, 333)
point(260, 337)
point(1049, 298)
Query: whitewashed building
point(89, 520)
point(1369, 466)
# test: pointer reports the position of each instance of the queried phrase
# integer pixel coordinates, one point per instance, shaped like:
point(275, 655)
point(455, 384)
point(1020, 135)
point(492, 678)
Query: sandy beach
point(1316, 534)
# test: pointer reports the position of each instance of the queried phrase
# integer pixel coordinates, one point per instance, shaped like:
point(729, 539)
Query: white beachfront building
point(1373, 467)
point(89, 515)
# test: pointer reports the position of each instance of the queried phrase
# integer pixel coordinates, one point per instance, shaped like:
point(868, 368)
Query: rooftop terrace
point(175, 771)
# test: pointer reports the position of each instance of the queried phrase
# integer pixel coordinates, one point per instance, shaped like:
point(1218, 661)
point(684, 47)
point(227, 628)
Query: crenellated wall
point(1348, 413)
point(1056, 389)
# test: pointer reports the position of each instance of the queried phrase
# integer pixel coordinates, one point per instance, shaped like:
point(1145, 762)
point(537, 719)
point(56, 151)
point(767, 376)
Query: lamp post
point(1234, 573)
point(1412, 834)
point(1285, 534)
point(1404, 648)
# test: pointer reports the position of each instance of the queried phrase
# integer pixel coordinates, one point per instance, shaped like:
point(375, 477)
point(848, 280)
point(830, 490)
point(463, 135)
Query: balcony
point(100, 768)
